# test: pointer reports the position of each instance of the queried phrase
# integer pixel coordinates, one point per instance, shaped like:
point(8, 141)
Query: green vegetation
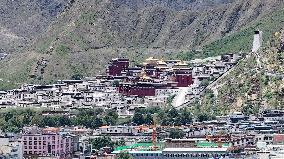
point(167, 117)
point(78, 40)
point(170, 100)
point(77, 77)
point(90, 31)
point(206, 109)
point(250, 86)
point(115, 83)
point(205, 82)
point(44, 45)
point(13, 79)
point(86, 18)
point(240, 41)
point(62, 50)
point(250, 108)
point(77, 71)
point(110, 117)
point(176, 134)
point(124, 155)
point(106, 141)
point(12, 120)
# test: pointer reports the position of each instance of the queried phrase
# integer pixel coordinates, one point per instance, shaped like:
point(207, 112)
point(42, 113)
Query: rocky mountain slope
point(68, 38)
point(255, 84)
point(22, 20)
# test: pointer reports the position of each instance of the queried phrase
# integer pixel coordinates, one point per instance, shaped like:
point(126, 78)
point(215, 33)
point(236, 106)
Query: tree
point(115, 83)
point(97, 123)
point(176, 134)
point(13, 120)
point(124, 155)
point(170, 100)
point(205, 82)
point(111, 117)
point(121, 142)
point(148, 119)
point(204, 116)
point(64, 120)
point(173, 113)
point(77, 76)
point(185, 117)
point(101, 142)
point(138, 118)
point(161, 116)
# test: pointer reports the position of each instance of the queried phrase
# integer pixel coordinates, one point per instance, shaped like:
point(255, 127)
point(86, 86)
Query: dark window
point(49, 149)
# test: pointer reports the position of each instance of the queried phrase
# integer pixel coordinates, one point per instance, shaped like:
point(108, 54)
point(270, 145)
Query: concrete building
point(48, 142)
point(182, 153)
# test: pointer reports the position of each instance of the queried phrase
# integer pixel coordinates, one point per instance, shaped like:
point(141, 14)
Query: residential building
point(48, 142)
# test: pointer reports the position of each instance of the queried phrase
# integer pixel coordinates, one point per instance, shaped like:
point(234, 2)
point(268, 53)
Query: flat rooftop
point(195, 150)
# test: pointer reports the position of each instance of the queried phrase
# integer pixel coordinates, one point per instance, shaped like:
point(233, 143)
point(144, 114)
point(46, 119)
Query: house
point(119, 130)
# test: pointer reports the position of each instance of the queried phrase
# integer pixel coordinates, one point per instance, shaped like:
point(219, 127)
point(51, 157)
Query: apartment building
point(48, 142)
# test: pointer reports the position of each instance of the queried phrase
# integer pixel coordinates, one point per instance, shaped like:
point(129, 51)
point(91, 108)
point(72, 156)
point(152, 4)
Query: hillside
point(256, 83)
point(79, 37)
point(22, 21)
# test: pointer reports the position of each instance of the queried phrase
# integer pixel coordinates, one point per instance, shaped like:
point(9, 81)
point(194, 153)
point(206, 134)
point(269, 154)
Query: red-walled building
point(183, 77)
point(140, 89)
point(143, 89)
point(183, 80)
point(116, 66)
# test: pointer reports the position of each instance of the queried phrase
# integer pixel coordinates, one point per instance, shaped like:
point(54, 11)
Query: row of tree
point(165, 117)
point(105, 141)
point(13, 120)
